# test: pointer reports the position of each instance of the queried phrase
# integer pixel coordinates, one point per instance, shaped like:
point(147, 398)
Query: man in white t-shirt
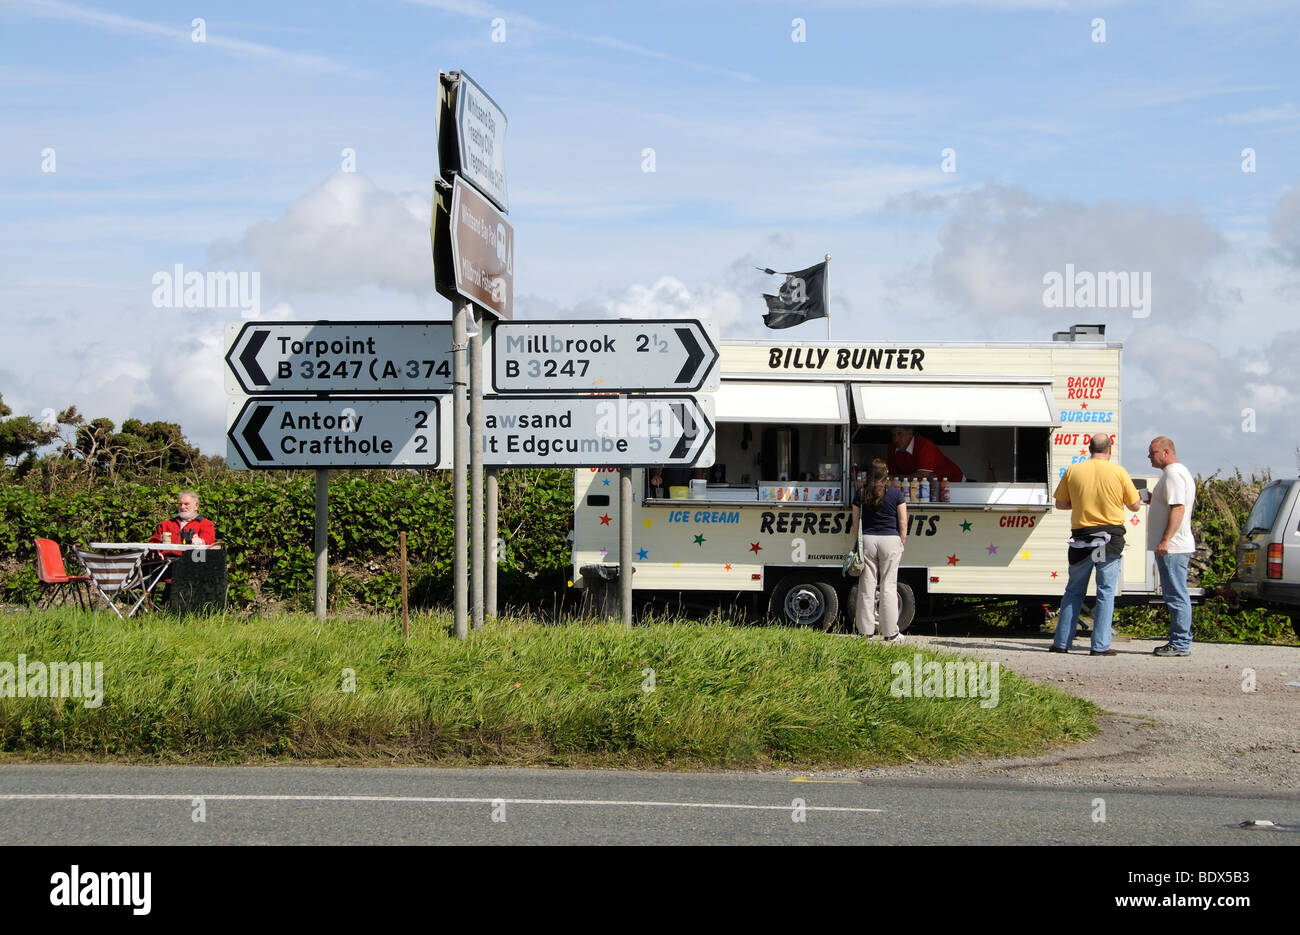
point(1169, 535)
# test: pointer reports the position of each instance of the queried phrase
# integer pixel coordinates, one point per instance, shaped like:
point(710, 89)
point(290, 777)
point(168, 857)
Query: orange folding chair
point(117, 577)
point(54, 577)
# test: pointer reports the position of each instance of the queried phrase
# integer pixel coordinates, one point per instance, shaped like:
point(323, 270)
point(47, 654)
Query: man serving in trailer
point(910, 454)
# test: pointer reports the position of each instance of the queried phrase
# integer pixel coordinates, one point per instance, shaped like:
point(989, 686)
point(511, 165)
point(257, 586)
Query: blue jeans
point(1107, 577)
point(1173, 584)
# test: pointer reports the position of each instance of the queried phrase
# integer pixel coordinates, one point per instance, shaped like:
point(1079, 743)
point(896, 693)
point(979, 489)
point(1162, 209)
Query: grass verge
point(673, 695)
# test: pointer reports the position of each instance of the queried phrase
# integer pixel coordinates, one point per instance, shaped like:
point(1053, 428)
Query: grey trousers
point(883, 554)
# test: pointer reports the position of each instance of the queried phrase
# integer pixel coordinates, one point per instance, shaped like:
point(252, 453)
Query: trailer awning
point(1018, 404)
point(795, 403)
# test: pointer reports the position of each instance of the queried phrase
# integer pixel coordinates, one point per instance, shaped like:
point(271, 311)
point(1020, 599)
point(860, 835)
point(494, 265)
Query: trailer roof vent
point(1082, 333)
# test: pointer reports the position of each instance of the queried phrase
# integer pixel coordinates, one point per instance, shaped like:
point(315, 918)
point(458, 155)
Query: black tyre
point(831, 598)
point(1295, 624)
point(802, 601)
point(906, 606)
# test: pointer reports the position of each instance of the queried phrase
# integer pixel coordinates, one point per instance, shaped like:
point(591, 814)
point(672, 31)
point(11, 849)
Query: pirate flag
point(802, 296)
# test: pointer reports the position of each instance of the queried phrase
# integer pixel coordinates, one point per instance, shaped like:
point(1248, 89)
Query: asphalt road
point(100, 804)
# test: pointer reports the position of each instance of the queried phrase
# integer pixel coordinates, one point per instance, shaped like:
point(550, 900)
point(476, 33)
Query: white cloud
point(669, 297)
point(345, 233)
point(999, 242)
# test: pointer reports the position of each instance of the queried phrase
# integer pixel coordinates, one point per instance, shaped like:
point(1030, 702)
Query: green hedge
point(265, 521)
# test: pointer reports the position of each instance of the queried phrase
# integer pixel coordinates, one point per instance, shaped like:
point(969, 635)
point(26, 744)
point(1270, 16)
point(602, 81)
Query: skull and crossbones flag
point(801, 297)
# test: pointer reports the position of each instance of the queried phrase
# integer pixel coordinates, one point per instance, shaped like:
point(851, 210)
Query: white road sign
point(478, 150)
point(340, 432)
point(598, 431)
point(279, 358)
point(625, 355)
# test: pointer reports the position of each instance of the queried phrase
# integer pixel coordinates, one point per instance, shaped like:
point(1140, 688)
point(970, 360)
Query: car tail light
point(1275, 560)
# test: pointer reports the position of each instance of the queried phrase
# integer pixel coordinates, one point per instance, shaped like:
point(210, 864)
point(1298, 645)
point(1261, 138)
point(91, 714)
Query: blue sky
point(228, 155)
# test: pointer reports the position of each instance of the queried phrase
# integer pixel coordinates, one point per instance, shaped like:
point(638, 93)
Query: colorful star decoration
point(1053, 574)
point(647, 523)
point(953, 560)
point(755, 547)
point(965, 525)
point(1025, 554)
point(993, 549)
point(605, 482)
point(726, 567)
point(699, 539)
point(604, 520)
point(643, 555)
point(604, 552)
point(1083, 405)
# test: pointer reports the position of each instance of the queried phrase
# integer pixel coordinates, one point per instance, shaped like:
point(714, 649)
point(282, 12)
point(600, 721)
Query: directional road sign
point(280, 358)
point(340, 432)
point(472, 136)
point(592, 431)
point(473, 249)
point(626, 355)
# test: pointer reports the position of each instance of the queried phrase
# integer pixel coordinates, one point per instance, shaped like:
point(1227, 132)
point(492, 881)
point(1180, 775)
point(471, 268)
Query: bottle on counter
point(924, 493)
point(914, 490)
point(945, 492)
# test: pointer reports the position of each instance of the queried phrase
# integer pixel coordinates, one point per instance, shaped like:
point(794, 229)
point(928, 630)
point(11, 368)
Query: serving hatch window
point(997, 433)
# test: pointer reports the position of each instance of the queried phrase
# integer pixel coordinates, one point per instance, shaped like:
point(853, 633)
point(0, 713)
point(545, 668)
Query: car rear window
point(1270, 501)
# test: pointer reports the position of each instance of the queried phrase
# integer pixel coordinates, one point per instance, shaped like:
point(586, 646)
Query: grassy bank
point(218, 690)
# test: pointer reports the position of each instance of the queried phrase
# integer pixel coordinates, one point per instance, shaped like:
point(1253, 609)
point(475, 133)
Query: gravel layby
point(1180, 723)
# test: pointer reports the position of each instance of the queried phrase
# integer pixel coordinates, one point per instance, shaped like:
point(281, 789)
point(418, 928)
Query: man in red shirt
point(910, 454)
point(186, 525)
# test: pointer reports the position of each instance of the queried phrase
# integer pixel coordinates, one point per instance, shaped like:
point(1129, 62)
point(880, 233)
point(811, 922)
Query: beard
point(192, 514)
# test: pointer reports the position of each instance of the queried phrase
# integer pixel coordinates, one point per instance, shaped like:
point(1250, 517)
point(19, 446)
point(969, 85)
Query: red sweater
point(925, 456)
point(183, 532)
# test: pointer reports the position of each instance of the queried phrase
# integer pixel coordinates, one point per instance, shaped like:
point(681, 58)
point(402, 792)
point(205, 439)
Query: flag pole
point(826, 294)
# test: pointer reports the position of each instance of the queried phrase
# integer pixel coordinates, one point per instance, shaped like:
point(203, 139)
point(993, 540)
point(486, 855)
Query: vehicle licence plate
point(1248, 559)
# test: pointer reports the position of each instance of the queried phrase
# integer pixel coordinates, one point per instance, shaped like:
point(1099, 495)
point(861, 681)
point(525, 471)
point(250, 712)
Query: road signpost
point(338, 432)
point(357, 357)
point(618, 356)
point(473, 262)
point(612, 431)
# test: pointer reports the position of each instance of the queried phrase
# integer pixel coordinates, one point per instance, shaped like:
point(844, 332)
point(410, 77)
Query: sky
point(949, 154)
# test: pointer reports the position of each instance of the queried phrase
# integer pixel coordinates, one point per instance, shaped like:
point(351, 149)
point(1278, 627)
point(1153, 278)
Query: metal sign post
point(476, 470)
point(460, 446)
point(320, 540)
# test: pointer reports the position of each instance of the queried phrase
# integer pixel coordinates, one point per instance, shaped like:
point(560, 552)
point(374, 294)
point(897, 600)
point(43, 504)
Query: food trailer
point(796, 423)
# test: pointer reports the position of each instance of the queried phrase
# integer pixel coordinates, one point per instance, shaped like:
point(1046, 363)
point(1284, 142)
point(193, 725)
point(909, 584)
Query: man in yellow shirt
point(1095, 492)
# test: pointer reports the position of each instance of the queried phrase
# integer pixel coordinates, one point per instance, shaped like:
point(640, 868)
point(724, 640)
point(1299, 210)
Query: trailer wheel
point(801, 601)
point(906, 606)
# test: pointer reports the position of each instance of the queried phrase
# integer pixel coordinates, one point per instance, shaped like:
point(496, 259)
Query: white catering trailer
point(796, 422)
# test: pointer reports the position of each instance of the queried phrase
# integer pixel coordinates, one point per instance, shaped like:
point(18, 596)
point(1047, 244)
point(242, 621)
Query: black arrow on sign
point(694, 354)
point(689, 431)
point(252, 433)
point(249, 359)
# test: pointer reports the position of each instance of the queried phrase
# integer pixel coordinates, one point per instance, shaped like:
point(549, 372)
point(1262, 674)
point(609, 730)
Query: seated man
point(909, 454)
point(187, 526)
